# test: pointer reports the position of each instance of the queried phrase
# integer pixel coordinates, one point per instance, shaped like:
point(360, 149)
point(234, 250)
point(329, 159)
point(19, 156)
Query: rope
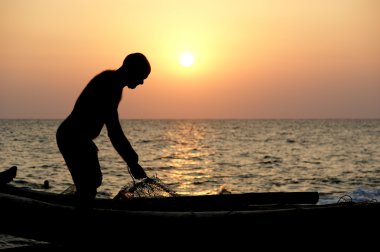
point(348, 199)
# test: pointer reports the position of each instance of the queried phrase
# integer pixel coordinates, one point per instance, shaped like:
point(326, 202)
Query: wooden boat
point(208, 218)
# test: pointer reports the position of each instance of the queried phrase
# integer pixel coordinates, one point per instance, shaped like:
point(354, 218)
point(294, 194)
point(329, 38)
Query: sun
point(187, 59)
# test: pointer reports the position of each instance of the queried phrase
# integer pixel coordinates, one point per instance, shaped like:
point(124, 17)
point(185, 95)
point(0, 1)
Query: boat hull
point(101, 226)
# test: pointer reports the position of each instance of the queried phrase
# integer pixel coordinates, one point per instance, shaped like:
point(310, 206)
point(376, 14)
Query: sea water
point(337, 158)
point(195, 157)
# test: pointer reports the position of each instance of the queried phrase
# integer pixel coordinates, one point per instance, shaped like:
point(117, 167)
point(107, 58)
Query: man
point(97, 106)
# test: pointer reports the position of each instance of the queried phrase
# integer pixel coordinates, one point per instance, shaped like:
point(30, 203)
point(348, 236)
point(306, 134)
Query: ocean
point(337, 158)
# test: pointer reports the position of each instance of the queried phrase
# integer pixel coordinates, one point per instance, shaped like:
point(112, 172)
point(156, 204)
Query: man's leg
point(84, 167)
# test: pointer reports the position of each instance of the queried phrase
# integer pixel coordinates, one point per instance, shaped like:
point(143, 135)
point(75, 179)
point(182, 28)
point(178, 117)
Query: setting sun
point(286, 59)
point(187, 59)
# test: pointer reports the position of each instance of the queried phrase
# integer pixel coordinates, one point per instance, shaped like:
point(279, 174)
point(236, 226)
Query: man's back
point(98, 100)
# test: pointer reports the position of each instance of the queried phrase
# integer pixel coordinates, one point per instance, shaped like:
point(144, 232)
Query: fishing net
point(145, 188)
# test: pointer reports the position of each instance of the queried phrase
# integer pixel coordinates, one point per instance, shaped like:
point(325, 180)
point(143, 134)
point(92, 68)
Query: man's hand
point(137, 171)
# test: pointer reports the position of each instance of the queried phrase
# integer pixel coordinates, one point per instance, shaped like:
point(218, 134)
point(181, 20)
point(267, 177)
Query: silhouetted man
point(97, 106)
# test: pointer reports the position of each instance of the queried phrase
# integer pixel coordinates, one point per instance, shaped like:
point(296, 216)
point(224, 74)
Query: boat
point(227, 218)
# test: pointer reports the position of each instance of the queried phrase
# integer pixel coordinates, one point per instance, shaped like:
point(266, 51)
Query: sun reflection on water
point(187, 155)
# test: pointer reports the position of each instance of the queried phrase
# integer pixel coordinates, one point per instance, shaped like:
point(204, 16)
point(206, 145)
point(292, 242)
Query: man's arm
point(123, 146)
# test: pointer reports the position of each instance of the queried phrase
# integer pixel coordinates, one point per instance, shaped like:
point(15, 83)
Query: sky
point(252, 58)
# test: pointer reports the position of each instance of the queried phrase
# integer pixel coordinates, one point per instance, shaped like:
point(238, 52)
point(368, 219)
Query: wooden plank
point(179, 203)
point(219, 202)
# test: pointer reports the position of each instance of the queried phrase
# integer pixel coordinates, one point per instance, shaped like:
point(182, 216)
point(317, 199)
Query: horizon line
point(221, 118)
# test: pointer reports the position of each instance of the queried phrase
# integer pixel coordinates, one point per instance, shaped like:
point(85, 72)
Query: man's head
point(136, 69)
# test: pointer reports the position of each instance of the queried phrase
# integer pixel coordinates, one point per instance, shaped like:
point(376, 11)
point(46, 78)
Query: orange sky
point(253, 59)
